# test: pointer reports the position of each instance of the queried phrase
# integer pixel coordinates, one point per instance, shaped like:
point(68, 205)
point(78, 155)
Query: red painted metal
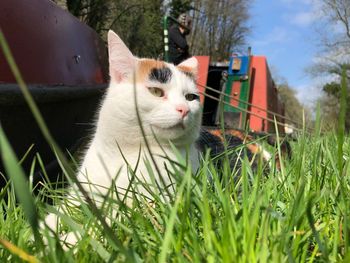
point(264, 95)
point(50, 45)
point(203, 67)
point(259, 94)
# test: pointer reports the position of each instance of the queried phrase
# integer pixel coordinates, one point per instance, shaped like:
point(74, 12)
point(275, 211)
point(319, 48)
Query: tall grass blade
point(311, 220)
point(318, 129)
point(18, 252)
point(168, 236)
point(20, 182)
point(341, 122)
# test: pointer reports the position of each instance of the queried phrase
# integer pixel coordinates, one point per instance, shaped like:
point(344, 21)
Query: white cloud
point(276, 36)
point(308, 93)
point(306, 14)
point(305, 19)
point(302, 12)
point(299, 2)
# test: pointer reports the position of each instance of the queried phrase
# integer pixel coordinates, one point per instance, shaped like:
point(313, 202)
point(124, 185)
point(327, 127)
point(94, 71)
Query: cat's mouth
point(179, 125)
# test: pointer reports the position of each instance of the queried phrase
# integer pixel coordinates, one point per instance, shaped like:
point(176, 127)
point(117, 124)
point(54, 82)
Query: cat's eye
point(191, 96)
point(158, 92)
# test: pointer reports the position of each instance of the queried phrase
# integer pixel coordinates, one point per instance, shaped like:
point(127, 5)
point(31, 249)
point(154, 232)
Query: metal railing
point(276, 115)
point(251, 105)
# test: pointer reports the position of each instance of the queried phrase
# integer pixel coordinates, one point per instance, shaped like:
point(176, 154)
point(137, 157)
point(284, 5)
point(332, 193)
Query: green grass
point(298, 214)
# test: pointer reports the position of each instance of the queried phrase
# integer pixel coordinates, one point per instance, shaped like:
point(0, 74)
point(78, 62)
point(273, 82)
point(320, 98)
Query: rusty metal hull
point(64, 63)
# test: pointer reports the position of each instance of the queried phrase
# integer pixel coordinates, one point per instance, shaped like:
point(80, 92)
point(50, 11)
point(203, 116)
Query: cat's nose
point(183, 109)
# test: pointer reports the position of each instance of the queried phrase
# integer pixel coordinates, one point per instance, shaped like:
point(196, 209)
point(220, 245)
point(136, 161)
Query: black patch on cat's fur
point(162, 75)
point(208, 141)
point(236, 155)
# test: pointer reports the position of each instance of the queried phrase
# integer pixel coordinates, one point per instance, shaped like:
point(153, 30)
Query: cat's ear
point(121, 60)
point(191, 64)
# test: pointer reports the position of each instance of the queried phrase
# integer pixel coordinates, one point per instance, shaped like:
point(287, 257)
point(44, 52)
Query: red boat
point(65, 65)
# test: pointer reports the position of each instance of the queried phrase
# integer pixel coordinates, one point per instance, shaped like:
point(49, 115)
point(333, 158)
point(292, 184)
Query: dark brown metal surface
point(67, 110)
point(64, 63)
point(50, 45)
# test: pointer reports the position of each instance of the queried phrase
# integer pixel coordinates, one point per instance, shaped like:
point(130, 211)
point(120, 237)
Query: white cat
point(169, 109)
point(170, 113)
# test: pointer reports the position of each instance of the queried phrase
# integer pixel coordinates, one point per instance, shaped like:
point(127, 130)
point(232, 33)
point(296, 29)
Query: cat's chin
point(176, 126)
point(177, 135)
point(170, 132)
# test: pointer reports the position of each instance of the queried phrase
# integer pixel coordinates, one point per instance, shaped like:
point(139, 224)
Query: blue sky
point(284, 31)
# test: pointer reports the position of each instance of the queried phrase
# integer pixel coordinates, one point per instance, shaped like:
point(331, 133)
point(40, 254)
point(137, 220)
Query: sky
point(284, 31)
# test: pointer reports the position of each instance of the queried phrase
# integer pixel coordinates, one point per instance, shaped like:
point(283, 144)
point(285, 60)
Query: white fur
point(118, 130)
point(118, 125)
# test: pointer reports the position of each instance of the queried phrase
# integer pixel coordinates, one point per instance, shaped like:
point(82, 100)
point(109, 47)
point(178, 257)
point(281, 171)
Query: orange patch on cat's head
point(145, 66)
point(187, 71)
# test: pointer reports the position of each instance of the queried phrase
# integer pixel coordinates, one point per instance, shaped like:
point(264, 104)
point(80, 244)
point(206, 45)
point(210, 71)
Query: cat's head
point(167, 96)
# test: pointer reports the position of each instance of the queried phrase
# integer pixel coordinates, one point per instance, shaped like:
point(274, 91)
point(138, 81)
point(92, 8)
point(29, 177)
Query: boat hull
point(65, 65)
point(69, 113)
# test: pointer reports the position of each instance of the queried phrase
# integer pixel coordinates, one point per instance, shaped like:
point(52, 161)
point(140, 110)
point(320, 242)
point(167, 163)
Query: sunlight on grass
point(300, 215)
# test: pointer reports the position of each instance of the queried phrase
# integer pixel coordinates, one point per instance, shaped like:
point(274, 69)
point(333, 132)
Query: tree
point(95, 13)
point(295, 112)
point(329, 106)
point(335, 56)
point(219, 27)
point(178, 7)
point(331, 102)
point(137, 22)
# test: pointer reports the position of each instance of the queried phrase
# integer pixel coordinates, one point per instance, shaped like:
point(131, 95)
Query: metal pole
point(166, 38)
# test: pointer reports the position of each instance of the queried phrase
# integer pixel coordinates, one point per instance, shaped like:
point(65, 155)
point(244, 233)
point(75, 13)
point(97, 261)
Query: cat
point(240, 144)
point(167, 101)
point(170, 114)
point(150, 108)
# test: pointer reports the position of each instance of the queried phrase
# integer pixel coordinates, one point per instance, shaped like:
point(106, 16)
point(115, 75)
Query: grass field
point(298, 214)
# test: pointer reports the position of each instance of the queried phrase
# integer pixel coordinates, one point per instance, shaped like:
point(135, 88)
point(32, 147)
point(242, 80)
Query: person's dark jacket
point(178, 47)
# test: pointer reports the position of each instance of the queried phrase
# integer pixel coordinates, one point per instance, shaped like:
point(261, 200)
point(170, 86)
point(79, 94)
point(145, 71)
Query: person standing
point(178, 47)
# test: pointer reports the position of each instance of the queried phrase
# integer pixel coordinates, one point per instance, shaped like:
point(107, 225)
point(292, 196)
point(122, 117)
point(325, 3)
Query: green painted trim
point(228, 90)
point(244, 96)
